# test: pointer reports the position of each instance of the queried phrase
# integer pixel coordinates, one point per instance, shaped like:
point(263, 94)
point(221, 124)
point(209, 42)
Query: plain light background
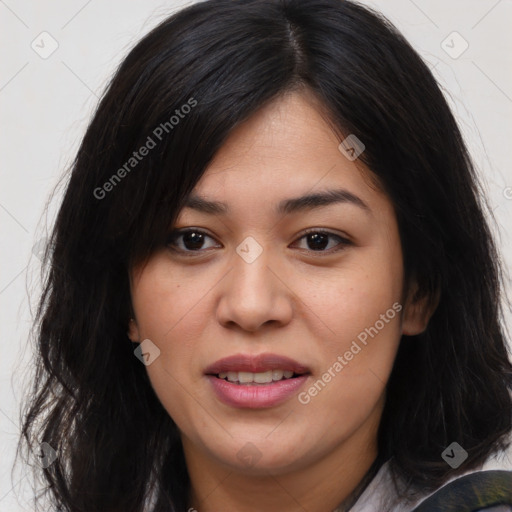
point(45, 104)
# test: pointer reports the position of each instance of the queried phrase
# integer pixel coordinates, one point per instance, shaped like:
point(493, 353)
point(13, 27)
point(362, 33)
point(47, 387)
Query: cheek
point(341, 406)
point(353, 297)
point(361, 308)
point(165, 311)
point(350, 385)
point(165, 301)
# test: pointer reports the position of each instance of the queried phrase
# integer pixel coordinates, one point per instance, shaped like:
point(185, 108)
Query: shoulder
point(381, 495)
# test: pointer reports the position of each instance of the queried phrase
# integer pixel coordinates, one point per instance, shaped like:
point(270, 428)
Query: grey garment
point(496, 508)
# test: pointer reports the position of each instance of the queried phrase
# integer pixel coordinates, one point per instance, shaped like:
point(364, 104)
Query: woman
point(271, 284)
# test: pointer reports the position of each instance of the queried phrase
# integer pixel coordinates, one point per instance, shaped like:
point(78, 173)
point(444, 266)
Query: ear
point(133, 331)
point(419, 308)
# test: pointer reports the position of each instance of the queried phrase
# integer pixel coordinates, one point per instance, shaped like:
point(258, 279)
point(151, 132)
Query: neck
point(351, 500)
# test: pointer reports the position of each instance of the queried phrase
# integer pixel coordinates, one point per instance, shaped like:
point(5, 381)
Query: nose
point(254, 295)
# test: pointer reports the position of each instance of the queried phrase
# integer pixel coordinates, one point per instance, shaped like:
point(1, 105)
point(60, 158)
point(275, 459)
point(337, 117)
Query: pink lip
point(255, 364)
point(256, 396)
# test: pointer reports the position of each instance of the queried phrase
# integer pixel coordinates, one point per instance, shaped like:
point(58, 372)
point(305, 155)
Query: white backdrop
point(57, 57)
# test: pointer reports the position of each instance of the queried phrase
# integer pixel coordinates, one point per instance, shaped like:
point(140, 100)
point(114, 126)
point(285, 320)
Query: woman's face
point(246, 282)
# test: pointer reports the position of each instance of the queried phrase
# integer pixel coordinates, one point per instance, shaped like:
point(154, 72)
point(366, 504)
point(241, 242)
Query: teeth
point(277, 374)
point(258, 378)
point(262, 378)
point(245, 377)
point(232, 376)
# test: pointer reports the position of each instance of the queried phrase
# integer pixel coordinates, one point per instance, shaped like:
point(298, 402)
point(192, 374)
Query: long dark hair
point(92, 400)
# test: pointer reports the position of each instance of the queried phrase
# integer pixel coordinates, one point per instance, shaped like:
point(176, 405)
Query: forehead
point(284, 151)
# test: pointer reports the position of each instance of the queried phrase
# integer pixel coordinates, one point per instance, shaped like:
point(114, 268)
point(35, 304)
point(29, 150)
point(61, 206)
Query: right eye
point(187, 241)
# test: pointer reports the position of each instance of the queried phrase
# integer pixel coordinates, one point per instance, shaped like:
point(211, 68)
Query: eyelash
point(174, 235)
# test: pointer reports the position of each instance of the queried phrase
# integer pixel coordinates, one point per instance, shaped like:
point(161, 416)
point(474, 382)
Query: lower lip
point(256, 396)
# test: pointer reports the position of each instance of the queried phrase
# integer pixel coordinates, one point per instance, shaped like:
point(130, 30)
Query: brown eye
point(319, 241)
point(189, 240)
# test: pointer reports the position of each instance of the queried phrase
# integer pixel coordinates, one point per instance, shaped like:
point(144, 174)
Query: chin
point(260, 456)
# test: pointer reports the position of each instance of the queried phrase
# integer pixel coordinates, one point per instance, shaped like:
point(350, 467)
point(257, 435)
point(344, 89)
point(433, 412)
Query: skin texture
point(293, 301)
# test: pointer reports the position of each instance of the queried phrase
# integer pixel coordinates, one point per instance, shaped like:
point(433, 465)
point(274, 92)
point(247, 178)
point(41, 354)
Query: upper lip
point(255, 364)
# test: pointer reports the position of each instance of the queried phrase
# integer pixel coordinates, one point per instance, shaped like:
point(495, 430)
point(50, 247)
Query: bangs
point(165, 125)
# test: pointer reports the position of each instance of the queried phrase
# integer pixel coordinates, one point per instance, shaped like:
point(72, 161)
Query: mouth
point(256, 369)
point(265, 380)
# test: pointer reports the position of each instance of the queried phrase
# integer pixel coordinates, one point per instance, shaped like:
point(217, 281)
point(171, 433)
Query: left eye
point(193, 240)
point(318, 241)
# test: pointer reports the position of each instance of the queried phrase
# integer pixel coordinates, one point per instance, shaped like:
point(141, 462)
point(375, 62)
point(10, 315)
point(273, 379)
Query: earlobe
point(418, 311)
point(133, 331)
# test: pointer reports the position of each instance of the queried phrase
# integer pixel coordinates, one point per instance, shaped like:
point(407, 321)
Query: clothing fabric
point(497, 508)
point(380, 494)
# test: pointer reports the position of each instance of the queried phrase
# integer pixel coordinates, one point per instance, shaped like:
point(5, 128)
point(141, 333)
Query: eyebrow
point(303, 203)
